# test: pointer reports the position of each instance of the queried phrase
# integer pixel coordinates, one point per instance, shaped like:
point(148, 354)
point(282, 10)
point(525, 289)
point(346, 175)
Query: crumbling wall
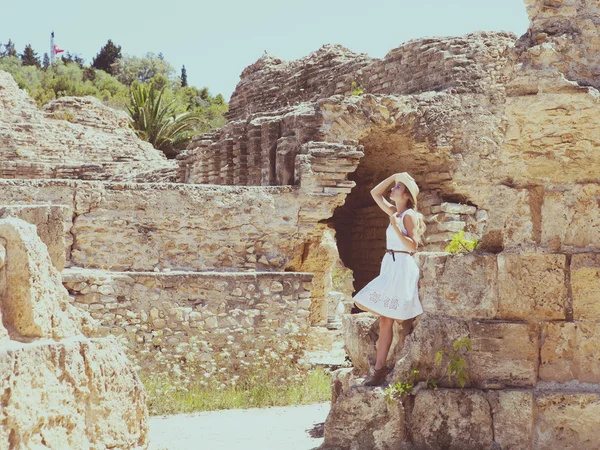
point(72, 138)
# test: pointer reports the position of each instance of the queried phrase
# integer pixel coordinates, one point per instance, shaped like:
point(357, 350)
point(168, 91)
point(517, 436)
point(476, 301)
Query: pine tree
point(29, 57)
point(161, 56)
point(106, 57)
point(183, 76)
point(46, 61)
point(9, 49)
point(73, 57)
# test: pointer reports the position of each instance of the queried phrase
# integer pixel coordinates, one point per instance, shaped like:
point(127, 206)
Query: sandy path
point(287, 427)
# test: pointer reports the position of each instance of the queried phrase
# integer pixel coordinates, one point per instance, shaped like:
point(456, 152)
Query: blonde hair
point(420, 225)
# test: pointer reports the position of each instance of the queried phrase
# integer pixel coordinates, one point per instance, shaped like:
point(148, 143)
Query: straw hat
point(409, 182)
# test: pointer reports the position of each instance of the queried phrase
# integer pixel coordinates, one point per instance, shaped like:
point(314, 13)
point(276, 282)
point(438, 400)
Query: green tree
point(29, 57)
point(183, 76)
point(107, 56)
point(45, 61)
point(131, 68)
point(89, 74)
point(9, 49)
point(156, 121)
point(73, 58)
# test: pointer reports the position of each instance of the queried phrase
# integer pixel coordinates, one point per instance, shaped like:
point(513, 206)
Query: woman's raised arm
point(377, 194)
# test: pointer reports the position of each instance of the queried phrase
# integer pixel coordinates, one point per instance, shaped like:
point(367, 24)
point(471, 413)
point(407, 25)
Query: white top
point(392, 239)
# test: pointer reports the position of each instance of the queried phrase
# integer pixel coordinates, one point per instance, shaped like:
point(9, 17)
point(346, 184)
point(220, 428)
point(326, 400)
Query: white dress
point(394, 292)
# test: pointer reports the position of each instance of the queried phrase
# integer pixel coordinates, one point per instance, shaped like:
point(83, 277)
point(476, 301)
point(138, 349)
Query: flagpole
point(52, 49)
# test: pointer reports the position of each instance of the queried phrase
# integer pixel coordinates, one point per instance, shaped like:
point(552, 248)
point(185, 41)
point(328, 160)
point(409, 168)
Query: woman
point(393, 294)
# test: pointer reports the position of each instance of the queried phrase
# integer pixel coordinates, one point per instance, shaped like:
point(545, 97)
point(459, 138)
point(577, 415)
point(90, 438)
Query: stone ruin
point(60, 387)
point(238, 244)
point(72, 138)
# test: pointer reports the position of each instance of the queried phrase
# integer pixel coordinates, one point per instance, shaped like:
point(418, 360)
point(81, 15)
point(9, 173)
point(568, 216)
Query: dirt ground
point(287, 427)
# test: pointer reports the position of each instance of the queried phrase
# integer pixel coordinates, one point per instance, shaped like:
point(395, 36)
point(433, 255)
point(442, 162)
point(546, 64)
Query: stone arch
point(396, 134)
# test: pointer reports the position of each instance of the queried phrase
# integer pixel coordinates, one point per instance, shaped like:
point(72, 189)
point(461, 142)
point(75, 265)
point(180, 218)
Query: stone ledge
point(459, 418)
point(531, 287)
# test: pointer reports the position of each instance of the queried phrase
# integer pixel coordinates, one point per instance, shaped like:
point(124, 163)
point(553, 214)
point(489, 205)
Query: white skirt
point(394, 292)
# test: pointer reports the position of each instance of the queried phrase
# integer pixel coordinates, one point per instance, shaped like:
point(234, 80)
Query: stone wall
point(258, 152)
point(163, 227)
point(181, 323)
point(533, 371)
point(563, 38)
point(472, 63)
point(52, 223)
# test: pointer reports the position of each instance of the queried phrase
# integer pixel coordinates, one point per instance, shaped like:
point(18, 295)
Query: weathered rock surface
point(59, 388)
point(35, 303)
point(71, 137)
point(50, 222)
point(72, 393)
point(362, 418)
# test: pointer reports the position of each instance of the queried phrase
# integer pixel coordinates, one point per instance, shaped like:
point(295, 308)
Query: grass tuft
point(165, 397)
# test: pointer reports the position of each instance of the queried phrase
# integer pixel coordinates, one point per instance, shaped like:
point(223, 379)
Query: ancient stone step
point(362, 417)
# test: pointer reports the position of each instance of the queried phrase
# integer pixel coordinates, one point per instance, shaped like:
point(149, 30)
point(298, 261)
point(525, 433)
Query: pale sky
point(216, 40)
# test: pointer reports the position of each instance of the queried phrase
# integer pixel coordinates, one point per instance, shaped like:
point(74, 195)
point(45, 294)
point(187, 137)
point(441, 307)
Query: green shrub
point(459, 244)
point(401, 388)
point(457, 366)
point(356, 89)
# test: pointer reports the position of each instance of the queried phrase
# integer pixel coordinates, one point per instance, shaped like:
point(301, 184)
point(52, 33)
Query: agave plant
point(155, 120)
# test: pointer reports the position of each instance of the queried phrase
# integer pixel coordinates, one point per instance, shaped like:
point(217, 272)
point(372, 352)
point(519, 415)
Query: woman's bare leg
point(384, 341)
point(407, 327)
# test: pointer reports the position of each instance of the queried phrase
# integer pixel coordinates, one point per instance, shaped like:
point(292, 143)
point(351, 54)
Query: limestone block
point(431, 333)
point(340, 382)
point(513, 415)
point(361, 418)
point(35, 303)
point(510, 223)
point(451, 419)
point(570, 352)
point(550, 141)
point(76, 393)
point(52, 223)
point(461, 285)
point(567, 215)
point(503, 352)
point(457, 208)
point(585, 286)
point(532, 286)
point(567, 421)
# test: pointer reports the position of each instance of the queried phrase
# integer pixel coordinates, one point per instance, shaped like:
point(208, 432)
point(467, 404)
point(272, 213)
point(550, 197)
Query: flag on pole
point(57, 50)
